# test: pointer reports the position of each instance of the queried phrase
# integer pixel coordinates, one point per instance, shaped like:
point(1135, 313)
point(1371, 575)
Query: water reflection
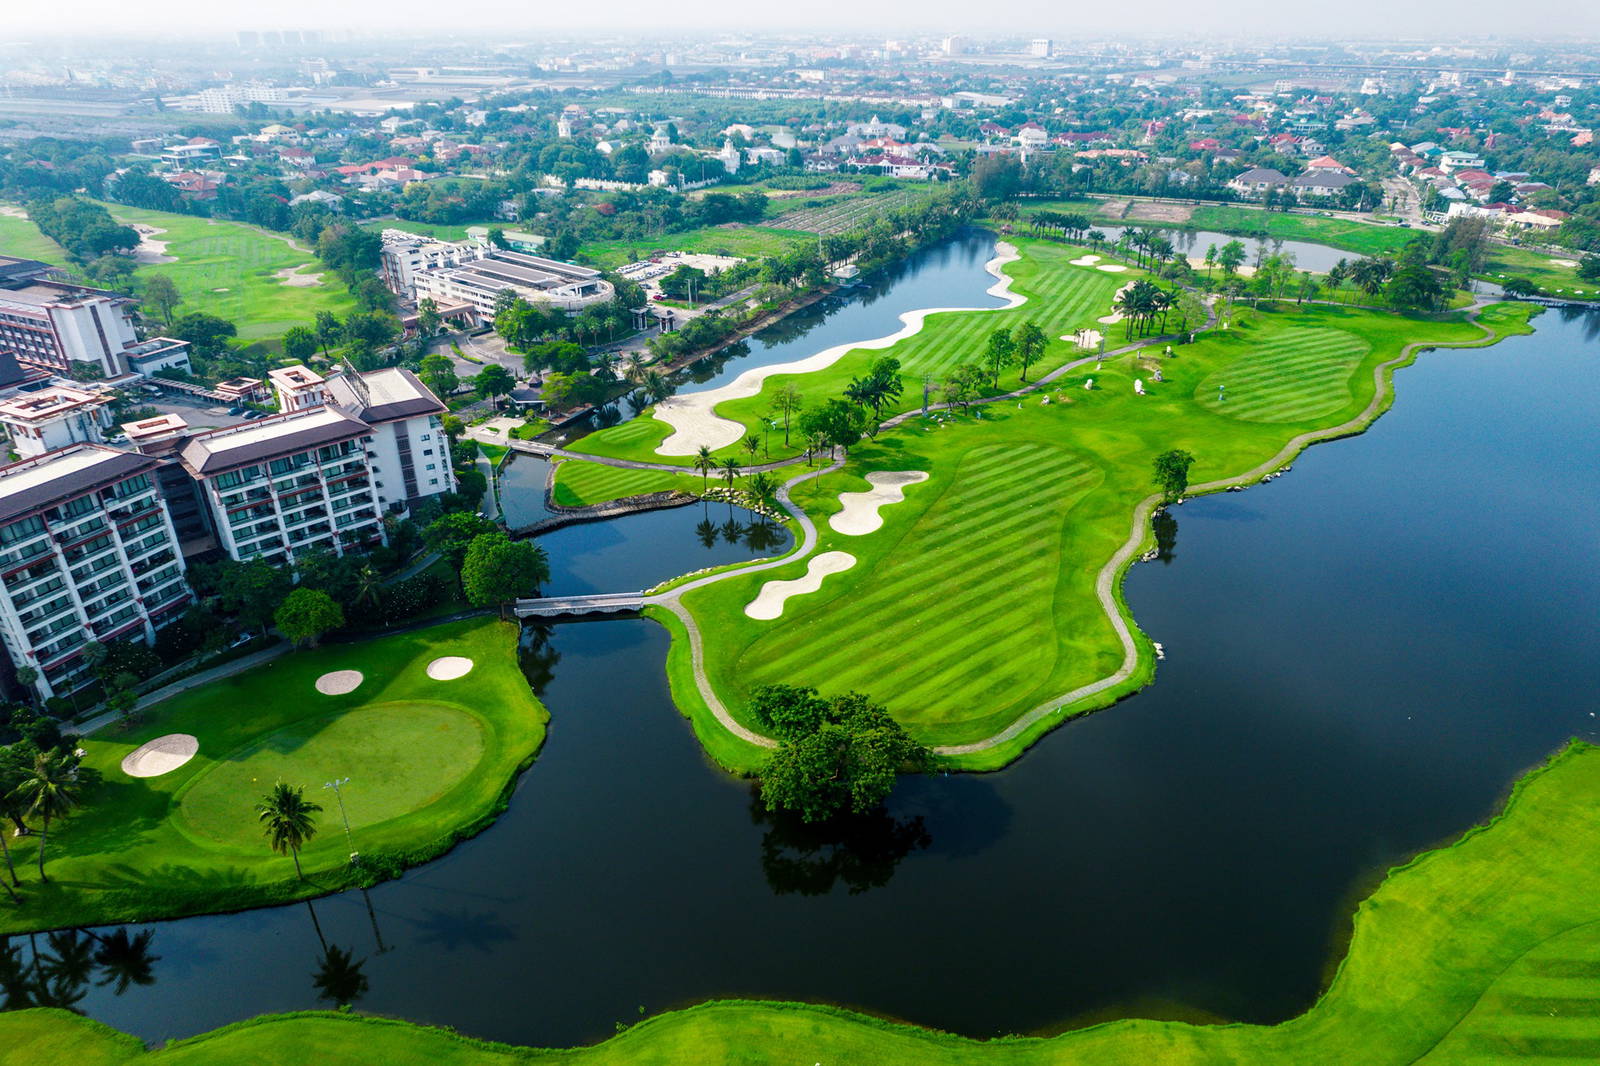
point(60, 972)
point(1166, 530)
point(859, 852)
point(339, 978)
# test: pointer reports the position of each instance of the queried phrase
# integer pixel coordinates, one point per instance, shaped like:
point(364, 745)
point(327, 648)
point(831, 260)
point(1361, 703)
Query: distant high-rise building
point(1040, 47)
point(954, 45)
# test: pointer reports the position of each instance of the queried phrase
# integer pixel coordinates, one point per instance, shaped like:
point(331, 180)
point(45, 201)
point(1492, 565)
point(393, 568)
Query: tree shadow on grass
point(173, 876)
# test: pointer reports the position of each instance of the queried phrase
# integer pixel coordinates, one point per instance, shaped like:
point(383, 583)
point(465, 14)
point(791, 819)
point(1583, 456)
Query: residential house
point(1258, 181)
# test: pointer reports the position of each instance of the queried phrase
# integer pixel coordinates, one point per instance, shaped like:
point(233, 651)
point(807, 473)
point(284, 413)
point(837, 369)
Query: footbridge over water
point(559, 606)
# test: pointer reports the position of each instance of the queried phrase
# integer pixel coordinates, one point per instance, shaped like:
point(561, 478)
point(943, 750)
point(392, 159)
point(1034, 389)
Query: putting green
point(402, 757)
point(1303, 373)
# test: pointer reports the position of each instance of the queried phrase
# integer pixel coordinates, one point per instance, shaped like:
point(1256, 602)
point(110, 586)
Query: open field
point(733, 238)
point(1061, 299)
point(579, 484)
point(1483, 952)
point(430, 761)
point(1541, 268)
point(1360, 237)
point(228, 269)
point(21, 238)
point(849, 213)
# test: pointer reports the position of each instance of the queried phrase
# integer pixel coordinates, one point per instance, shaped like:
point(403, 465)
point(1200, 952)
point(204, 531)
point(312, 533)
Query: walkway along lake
point(1361, 657)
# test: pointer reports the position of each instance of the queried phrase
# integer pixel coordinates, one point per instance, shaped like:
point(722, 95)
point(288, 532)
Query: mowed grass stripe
point(1300, 375)
point(968, 623)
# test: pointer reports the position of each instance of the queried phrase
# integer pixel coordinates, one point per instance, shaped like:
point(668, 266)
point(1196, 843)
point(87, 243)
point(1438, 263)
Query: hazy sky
point(1373, 19)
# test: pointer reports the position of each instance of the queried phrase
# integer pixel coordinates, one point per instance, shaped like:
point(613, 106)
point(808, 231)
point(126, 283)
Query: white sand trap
point(291, 276)
point(1115, 316)
point(12, 211)
point(693, 417)
point(1088, 339)
point(861, 509)
point(768, 604)
point(1111, 268)
point(1564, 262)
point(160, 756)
point(339, 682)
point(151, 250)
point(449, 667)
point(1086, 261)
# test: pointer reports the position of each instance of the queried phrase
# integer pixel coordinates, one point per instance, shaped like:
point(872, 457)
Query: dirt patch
point(1145, 211)
point(292, 277)
point(1564, 262)
point(12, 211)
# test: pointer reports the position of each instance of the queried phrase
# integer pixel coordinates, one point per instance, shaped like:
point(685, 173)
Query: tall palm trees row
point(1141, 303)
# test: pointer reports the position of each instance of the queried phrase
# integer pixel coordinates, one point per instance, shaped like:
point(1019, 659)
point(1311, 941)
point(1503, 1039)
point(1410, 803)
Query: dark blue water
point(1361, 657)
point(947, 274)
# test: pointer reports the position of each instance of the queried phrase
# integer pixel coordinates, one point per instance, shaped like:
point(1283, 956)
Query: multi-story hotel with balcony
point(87, 552)
point(291, 484)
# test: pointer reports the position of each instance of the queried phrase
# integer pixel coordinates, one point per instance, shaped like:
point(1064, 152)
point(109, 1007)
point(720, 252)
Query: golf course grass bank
point(987, 607)
point(1482, 952)
point(429, 761)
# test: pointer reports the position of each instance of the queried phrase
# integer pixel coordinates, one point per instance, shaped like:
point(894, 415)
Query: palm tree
point(705, 463)
point(50, 788)
point(730, 470)
point(288, 817)
point(1211, 260)
point(368, 586)
point(763, 489)
point(752, 444)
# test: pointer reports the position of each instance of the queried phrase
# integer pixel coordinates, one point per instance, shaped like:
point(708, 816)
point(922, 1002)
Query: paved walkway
point(204, 677)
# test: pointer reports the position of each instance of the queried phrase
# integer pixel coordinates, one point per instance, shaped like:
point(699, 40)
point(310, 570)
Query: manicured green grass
point(1061, 299)
point(736, 239)
point(579, 484)
point(227, 269)
point(430, 762)
point(1363, 238)
point(21, 238)
point(1483, 952)
point(1303, 374)
point(976, 600)
point(1541, 269)
point(410, 754)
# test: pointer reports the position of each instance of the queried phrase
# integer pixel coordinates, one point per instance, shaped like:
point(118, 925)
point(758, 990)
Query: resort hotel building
point(95, 539)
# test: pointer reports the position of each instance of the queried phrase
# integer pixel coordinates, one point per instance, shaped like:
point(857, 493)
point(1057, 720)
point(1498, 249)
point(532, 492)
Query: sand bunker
point(160, 756)
point(1086, 261)
point(861, 509)
point(1112, 268)
point(291, 276)
point(693, 418)
point(12, 211)
point(1087, 339)
point(1115, 316)
point(339, 682)
point(449, 668)
point(1564, 262)
point(151, 250)
point(768, 604)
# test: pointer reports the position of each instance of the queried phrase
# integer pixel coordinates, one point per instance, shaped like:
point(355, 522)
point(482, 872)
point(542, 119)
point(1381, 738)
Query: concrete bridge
point(556, 606)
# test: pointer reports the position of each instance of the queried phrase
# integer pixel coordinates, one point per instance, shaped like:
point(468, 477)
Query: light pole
point(336, 784)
